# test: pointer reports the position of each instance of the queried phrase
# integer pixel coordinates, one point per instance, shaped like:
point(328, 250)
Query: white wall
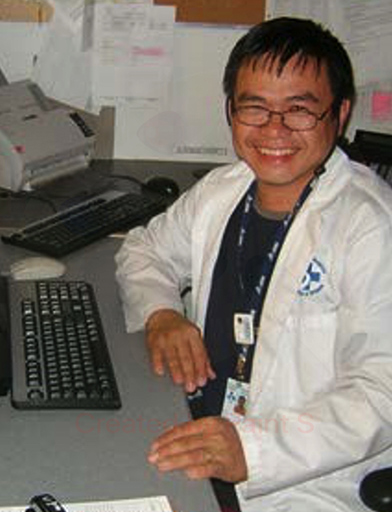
point(19, 42)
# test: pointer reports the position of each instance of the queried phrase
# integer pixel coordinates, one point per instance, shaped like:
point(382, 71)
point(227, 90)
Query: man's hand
point(176, 343)
point(205, 448)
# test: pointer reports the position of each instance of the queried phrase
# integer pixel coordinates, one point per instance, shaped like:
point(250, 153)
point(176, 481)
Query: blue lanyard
point(256, 297)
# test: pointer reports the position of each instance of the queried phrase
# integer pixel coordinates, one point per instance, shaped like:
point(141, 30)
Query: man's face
point(282, 159)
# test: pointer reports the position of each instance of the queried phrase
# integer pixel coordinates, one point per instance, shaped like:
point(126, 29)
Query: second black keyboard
point(91, 220)
point(59, 353)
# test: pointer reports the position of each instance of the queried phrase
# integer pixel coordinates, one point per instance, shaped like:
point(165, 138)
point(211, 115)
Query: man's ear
point(344, 115)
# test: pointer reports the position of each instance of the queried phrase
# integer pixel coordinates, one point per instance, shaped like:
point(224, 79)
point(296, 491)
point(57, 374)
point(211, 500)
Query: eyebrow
point(250, 97)
point(307, 96)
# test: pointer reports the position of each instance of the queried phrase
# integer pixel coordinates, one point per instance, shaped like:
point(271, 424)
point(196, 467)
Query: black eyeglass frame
point(316, 117)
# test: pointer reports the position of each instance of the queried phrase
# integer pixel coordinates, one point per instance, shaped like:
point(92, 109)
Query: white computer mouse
point(36, 267)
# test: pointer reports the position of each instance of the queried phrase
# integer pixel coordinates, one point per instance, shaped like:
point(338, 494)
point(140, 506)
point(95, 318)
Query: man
point(289, 256)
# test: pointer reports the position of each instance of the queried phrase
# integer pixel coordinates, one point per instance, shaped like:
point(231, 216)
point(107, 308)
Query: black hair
point(280, 39)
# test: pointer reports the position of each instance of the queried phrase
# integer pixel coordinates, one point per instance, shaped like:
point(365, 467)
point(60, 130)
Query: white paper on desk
point(154, 504)
point(132, 54)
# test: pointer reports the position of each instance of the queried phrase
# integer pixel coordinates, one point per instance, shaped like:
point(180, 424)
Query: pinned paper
point(381, 106)
point(132, 54)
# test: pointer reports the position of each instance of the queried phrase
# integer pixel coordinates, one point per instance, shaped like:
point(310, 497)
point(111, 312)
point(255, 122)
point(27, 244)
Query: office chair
point(375, 150)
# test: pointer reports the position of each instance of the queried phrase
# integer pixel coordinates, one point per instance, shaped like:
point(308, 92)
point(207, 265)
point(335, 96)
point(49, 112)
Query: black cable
point(22, 194)
point(127, 178)
point(38, 196)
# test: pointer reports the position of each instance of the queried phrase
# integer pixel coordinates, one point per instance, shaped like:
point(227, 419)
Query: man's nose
point(276, 120)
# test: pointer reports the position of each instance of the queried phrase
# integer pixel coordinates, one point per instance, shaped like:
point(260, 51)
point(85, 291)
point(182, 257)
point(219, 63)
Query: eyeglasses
point(296, 119)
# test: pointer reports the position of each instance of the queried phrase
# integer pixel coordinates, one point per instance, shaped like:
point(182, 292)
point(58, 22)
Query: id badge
point(236, 400)
point(243, 329)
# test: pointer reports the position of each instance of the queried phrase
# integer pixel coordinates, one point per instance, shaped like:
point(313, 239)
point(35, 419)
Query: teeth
point(276, 152)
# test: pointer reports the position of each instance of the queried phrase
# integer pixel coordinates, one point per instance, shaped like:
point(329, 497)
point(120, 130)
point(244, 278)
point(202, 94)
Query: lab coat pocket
point(311, 345)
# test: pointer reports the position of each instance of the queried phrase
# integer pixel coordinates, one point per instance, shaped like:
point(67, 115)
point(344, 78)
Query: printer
point(40, 140)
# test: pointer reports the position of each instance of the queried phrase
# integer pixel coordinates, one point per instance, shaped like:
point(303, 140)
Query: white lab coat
point(320, 410)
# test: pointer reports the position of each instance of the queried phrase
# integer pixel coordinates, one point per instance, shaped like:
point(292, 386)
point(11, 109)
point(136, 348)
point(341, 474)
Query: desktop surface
point(98, 455)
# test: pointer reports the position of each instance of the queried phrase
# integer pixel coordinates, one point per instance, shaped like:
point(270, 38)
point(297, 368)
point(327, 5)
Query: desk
point(97, 455)
point(101, 175)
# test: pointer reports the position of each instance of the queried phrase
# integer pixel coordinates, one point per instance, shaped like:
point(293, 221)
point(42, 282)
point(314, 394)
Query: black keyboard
point(59, 354)
point(91, 220)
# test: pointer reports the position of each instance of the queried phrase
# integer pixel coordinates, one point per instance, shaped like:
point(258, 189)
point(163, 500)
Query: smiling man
point(283, 125)
point(286, 354)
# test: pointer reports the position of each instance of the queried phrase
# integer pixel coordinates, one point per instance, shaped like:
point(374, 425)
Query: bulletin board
point(226, 12)
point(25, 10)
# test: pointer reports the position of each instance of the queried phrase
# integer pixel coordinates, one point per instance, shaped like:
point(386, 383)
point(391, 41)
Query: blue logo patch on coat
point(313, 280)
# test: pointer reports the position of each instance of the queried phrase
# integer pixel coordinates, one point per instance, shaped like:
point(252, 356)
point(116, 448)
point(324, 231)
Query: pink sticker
point(382, 105)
